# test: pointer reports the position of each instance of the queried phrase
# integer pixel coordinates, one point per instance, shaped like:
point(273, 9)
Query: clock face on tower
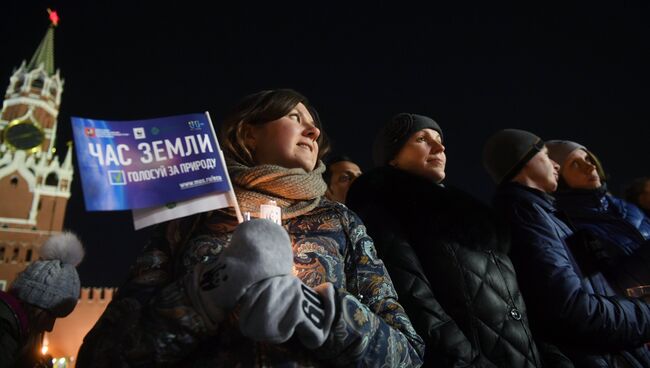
point(23, 135)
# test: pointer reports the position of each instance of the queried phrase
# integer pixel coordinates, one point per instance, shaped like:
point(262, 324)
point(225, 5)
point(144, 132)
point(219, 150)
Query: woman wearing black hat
point(445, 253)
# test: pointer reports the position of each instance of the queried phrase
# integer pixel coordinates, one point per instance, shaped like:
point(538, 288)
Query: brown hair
point(260, 108)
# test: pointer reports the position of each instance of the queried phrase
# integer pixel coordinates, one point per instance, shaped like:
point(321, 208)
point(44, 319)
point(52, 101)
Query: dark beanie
point(394, 134)
point(508, 151)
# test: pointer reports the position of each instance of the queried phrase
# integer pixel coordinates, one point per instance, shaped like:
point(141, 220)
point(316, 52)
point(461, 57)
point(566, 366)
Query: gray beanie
point(396, 132)
point(52, 282)
point(559, 150)
point(508, 151)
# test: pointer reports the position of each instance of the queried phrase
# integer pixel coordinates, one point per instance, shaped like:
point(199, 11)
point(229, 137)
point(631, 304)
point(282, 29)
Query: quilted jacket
point(151, 322)
point(447, 258)
point(622, 227)
point(579, 313)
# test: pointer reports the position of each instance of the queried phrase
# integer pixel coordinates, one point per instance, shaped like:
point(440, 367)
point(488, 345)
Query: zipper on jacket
point(514, 312)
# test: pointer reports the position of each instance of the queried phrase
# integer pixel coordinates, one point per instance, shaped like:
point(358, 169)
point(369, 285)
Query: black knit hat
point(396, 132)
point(508, 151)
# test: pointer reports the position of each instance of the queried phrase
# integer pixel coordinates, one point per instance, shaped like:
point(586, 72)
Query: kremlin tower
point(34, 183)
point(35, 187)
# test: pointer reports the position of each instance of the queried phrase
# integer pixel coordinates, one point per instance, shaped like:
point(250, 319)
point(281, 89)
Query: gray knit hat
point(559, 150)
point(52, 282)
point(396, 132)
point(507, 152)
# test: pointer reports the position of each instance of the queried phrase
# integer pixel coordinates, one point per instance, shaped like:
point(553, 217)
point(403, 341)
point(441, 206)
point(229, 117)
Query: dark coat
point(14, 333)
point(447, 258)
point(579, 313)
point(621, 227)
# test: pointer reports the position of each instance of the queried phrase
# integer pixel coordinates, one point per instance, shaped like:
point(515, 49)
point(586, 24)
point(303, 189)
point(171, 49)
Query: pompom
point(65, 247)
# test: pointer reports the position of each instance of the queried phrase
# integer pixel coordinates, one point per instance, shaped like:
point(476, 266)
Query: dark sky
point(579, 72)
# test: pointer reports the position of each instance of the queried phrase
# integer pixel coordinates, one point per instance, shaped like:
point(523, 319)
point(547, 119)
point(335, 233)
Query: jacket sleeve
point(150, 321)
point(371, 328)
point(632, 214)
point(446, 344)
point(564, 307)
point(625, 270)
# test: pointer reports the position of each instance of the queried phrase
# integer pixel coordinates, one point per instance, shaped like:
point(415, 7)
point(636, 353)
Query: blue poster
point(146, 163)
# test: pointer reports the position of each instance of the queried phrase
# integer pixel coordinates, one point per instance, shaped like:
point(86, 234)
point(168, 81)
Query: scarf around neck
point(294, 190)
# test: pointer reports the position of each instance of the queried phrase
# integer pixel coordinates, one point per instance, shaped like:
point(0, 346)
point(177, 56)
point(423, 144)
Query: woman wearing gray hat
point(617, 231)
point(444, 251)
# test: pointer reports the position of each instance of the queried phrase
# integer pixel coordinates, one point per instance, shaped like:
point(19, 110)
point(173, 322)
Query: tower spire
point(45, 52)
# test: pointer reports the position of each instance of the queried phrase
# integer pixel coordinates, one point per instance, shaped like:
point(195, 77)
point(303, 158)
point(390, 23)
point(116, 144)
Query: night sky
point(578, 72)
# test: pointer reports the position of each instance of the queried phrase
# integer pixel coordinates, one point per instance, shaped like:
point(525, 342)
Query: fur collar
point(429, 209)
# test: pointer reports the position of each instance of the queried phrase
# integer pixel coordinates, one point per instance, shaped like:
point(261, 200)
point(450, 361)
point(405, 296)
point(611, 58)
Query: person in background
point(208, 291)
point(638, 193)
point(446, 254)
point(46, 290)
point(341, 171)
point(578, 312)
point(616, 231)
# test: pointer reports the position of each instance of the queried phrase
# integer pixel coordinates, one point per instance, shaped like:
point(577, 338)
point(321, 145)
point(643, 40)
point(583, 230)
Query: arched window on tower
point(19, 84)
point(52, 179)
point(38, 82)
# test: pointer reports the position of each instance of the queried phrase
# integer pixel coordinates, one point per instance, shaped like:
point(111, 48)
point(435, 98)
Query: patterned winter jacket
point(151, 321)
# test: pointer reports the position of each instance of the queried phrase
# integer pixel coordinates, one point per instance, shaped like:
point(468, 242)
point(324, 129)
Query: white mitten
point(258, 249)
point(276, 308)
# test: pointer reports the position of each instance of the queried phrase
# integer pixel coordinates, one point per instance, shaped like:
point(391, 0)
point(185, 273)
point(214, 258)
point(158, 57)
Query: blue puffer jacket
point(621, 226)
point(580, 314)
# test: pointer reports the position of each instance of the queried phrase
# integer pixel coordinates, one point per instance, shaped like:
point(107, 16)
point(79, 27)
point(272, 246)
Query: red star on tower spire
point(54, 17)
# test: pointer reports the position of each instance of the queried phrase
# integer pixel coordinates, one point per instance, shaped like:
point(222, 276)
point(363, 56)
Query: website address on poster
point(199, 182)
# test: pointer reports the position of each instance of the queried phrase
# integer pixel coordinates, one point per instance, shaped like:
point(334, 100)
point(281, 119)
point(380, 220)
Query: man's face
point(540, 173)
point(343, 174)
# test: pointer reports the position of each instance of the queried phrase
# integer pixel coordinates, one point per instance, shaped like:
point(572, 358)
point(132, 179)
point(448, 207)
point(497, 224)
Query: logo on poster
point(116, 177)
point(138, 133)
point(194, 124)
point(89, 132)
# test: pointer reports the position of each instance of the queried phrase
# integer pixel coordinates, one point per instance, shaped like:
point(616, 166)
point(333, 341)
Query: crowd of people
point(389, 267)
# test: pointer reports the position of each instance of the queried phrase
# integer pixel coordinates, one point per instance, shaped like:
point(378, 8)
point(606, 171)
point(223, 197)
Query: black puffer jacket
point(447, 258)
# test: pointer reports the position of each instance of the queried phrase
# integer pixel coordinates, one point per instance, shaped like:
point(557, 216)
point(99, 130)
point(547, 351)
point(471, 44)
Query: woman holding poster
point(208, 291)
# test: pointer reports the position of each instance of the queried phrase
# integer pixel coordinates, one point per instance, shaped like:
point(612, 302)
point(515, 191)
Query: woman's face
point(288, 142)
point(423, 154)
point(579, 171)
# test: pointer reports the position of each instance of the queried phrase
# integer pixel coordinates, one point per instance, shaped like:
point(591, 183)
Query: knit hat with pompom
point(52, 282)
